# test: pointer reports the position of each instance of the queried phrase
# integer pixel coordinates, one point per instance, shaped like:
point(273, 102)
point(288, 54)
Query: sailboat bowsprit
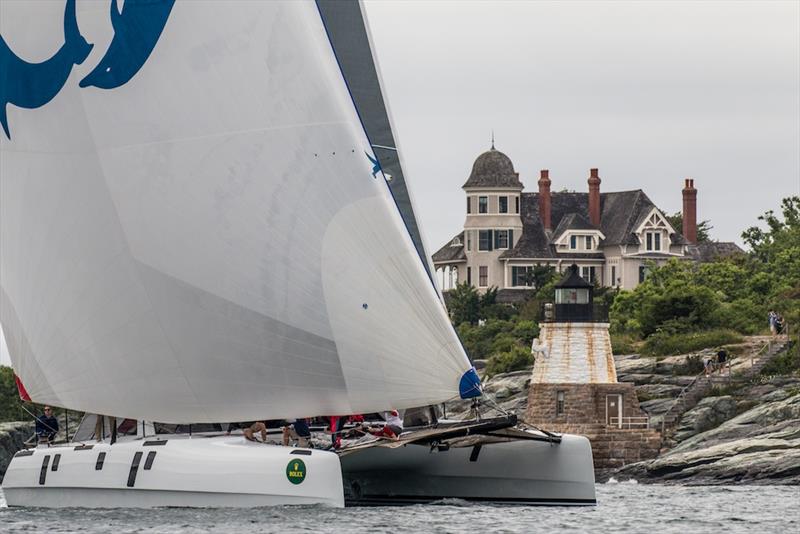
point(212, 235)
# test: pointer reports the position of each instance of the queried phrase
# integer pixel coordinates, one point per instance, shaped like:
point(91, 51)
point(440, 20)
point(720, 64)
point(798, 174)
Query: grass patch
point(786, 363)
point(667, 344)
point(624, 344)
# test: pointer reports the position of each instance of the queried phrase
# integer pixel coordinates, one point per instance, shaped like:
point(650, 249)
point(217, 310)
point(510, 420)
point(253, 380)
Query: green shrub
point(516, 359)
point(525, 331)
point(667, 343)
point(624, 344)
point(503, 343)
point(785, 363)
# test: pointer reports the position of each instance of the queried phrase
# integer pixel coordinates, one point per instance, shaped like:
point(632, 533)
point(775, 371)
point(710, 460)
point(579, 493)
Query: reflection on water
point(623, 507)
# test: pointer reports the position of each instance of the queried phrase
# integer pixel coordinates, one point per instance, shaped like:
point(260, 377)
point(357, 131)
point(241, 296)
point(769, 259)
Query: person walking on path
point(772, 317)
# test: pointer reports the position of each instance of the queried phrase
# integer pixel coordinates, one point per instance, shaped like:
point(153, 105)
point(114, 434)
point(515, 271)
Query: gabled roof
point(621, 212)
point(450, 252)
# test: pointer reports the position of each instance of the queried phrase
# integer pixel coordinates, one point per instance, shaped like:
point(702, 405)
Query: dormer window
point(573, 242)
point(456, 242)
point(654, 233)
point(483, 204)
point(503, 204)
point(653, 241)
point(589, 242)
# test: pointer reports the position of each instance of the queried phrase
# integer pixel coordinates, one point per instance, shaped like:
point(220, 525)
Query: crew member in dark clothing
point(46, 426)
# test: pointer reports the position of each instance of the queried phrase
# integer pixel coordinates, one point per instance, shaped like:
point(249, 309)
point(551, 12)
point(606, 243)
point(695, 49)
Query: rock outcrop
point(12, 438)
point(761, 445)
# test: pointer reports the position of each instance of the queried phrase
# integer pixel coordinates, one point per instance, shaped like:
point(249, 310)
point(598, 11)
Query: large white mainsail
point(206, 239)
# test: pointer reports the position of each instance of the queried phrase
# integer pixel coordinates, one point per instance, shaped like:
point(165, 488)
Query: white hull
point(200, 471)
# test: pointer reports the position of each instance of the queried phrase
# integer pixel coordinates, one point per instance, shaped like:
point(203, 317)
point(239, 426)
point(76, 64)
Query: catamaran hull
point(199, 472)
point(516, 472)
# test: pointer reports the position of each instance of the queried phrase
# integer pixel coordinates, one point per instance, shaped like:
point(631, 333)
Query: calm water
point(623, 508)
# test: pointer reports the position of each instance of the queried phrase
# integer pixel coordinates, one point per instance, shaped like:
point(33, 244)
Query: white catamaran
point(204, 218)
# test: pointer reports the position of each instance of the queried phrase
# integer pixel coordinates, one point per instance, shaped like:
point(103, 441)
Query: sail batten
point(205, 241)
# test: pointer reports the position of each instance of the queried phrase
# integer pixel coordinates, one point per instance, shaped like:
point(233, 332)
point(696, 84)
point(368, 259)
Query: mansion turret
point(612, 236)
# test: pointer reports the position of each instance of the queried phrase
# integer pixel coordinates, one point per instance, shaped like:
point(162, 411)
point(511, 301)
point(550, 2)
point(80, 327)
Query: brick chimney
point(544, 199)
point(594, 198)
point(690, 211)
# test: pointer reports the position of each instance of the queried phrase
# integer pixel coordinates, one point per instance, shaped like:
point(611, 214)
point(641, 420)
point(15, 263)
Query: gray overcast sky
point(648, 92)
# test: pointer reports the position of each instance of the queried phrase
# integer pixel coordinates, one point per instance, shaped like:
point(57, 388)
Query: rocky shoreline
point(743, 431)
point(12, 439)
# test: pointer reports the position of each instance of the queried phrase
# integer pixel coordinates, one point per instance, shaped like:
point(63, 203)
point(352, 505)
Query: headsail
point(349, 34)
point(206, 241)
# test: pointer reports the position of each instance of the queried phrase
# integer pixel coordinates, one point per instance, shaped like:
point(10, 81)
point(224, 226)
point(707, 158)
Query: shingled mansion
point(612, 236)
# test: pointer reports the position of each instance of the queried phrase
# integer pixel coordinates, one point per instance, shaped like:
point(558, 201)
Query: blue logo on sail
point(137, 29)
point(32, 85)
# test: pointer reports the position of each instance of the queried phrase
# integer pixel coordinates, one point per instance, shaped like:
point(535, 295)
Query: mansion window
point(483, 204)
point(469, 240)
point(573, 242)
point(469, 276)
point(588, 242)
point(614, 275)
point(503, 204)
point(643, 272)
point(521, 276)
point(501, 238)
point(588, 273)
point(469, 205)
point(484, 240)
point(653, 241)
point(483, 276)
point(516, 203)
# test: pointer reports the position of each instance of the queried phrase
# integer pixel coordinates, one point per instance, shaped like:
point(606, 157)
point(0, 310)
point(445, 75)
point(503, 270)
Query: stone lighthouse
point(574, 385)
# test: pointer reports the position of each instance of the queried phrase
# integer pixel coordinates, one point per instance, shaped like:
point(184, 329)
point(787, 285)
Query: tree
point(703, 228)
point(464, 304)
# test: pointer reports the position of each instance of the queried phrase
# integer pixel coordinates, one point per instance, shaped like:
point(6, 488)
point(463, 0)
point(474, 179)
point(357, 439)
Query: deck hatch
point(155, 443)
point(148, 462)
point(134, 469)
point(56, 460)
point(43, 472)
point(301, 452)
point(100, 459)
point(24, 453)
point(84, 447)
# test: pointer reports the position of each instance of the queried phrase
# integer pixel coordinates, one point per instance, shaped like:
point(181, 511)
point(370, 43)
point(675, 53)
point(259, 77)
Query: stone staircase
point(701, 385)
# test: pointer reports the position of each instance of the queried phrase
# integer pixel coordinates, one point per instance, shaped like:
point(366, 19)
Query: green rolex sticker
point(296, 471)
